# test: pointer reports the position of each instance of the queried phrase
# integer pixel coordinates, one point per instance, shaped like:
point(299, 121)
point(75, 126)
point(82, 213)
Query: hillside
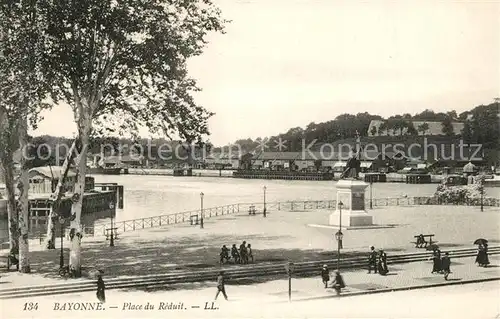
point(479, 125)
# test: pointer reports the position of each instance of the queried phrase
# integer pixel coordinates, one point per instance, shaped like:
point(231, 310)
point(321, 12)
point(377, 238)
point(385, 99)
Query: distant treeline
point(481, 128)
point(48, 150)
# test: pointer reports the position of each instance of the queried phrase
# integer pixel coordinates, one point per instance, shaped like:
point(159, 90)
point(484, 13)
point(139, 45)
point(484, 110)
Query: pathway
point(270, 298)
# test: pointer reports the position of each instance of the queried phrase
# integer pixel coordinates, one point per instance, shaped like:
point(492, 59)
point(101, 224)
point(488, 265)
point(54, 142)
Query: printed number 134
point(31, 306)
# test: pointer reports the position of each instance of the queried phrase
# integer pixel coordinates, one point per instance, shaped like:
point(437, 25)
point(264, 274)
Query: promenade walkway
point(261, 299)
point(282, 236)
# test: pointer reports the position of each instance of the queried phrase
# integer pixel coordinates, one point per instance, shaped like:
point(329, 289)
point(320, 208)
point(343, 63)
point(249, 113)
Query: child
point(325, 275)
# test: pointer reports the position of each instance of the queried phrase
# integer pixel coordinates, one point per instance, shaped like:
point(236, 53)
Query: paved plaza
point(280, 237)
point(271, 298)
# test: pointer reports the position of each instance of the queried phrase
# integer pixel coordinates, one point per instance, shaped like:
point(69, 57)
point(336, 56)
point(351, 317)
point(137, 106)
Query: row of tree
point(480, 126)
point(119, 65)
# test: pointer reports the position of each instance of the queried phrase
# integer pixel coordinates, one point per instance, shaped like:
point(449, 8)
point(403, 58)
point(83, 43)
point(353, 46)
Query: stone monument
point(351, 193)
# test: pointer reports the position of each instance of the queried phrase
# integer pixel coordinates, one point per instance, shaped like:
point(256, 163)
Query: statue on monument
point(353, 167)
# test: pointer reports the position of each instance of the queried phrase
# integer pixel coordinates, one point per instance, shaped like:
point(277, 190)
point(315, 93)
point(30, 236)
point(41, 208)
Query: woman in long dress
point(436, 261)
point(101, 295)
point(382, 263)
point(480, 258)
point(486, 260)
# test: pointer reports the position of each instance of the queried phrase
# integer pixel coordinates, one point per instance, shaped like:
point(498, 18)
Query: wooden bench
point(111, 232)
point(425, 243)
point(251, 210)
point(193, 219)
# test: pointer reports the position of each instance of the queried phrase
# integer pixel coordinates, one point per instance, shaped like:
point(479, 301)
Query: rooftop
point(53, 172)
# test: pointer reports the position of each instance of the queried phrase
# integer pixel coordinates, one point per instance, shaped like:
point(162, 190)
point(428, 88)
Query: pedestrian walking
point(482, 258)
point(235, 254)
point(221, 286)
point(382, 263)
point(224, 254)
point(101, 293)
point(436, 262)
point(243, 253)
point(372, 260)
point(250, 253)
point(445, 264)
point(486, 259)
point(480, 255)
point(338, 283)
point(325, 275)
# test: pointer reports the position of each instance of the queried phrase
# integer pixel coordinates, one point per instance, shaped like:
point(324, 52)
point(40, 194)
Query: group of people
point(482, 255)
point(377, 262)
point(240, 256)
point(441, 265)
point(338, 282)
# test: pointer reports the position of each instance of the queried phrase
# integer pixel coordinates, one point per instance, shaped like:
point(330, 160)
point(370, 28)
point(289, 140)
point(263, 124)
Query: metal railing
point(185, 217)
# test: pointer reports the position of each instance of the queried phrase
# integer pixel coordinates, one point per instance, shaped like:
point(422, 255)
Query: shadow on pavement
point(188, 253)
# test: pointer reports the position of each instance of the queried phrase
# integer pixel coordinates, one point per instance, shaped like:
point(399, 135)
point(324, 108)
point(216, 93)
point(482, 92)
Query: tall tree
point(467, 132)
point(411, 128)
point(423, 127)
point(22, 91)
point(447, 126)
point(125, 62)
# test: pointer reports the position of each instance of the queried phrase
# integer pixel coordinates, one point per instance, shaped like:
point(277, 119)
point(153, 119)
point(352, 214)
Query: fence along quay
point(189, 216)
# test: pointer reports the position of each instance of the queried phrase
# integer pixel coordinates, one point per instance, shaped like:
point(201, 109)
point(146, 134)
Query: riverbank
point(170, 172)
point(391, 177)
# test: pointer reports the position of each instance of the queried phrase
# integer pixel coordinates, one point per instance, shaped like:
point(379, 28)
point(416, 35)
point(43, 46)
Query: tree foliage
point(129, 58)
point(483, 128)
point(121, 65)
point(447, 126)
point(423, 127)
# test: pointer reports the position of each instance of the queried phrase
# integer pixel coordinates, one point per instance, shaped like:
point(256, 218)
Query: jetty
point(284, 175)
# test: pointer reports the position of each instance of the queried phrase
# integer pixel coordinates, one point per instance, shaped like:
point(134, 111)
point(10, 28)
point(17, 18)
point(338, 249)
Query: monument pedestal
point(351, 193)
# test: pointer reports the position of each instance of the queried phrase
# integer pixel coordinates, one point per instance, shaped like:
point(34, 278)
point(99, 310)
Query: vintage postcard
point(249, 159)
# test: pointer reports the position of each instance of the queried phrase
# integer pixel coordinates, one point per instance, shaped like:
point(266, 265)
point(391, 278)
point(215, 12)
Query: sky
point(287, 63)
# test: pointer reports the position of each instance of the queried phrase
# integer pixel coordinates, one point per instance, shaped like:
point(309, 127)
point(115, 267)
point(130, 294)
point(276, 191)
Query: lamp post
point(265, 209)
point(201, 214)
point(289, 267)
point(339, 236)
point(482, 194)
point(112, 239)
point(61, 256)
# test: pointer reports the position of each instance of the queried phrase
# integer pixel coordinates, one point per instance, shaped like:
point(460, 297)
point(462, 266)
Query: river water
point(147, 195)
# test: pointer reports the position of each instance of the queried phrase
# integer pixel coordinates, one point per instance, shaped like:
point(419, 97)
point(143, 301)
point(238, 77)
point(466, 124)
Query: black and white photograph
point(249, 159)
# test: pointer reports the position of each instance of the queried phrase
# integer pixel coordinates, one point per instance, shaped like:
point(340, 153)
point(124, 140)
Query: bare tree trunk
point(6, 157)
point(76, 233)
point(8, 168)
point(23, 201)
point(56, 197)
